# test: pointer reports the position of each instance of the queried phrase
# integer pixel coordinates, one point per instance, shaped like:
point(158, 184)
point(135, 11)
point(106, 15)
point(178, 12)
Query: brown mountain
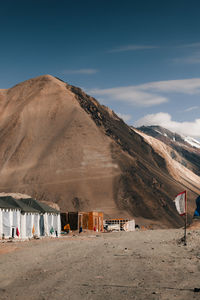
point(59, 144)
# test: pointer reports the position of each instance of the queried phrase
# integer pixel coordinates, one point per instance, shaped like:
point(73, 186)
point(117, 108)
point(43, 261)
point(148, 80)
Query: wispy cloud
point(135, 47)
point(148, 94)
point(80, 71)
point(191, 108)
point(131, 48)
point(131, 94)
point(165, 120)
point(193, 58)
point(183, 86)
point(191, 45)
point(124, 117)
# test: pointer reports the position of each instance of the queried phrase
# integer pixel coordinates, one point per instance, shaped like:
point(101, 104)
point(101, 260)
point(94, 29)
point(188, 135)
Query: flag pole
point(185, 233)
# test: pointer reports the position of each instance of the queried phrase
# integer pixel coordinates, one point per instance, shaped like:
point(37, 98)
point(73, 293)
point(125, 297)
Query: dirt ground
point(135, 265)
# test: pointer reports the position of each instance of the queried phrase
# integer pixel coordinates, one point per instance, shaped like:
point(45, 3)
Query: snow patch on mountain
point(192, 142)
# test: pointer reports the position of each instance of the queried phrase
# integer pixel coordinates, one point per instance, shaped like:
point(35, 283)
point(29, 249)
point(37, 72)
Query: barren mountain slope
point(183, 149)
point(58, 144)
point(175, 168)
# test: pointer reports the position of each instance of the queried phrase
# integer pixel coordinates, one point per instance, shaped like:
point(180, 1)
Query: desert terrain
point(150, 264)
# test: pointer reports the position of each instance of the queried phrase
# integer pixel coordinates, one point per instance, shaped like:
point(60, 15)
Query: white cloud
point(124, 117)
point(132, 48)
point(165, 120)
point(191, 108)
point(80, 71)
point(149, 94)
point(131, 94)
point(182, 86)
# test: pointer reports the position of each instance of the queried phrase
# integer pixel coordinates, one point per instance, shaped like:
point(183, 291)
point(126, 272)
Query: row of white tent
point(25, 218)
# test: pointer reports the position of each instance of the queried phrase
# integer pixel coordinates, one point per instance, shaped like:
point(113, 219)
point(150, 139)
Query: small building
point(119, 225)
point(95, 221)
point(86, 220)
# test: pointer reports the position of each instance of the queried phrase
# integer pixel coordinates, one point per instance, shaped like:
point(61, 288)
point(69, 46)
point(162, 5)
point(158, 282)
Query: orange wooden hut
point(87, 220)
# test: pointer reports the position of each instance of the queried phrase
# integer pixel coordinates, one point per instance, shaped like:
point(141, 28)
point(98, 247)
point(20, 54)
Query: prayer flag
point(180, 202)
point(17, 231)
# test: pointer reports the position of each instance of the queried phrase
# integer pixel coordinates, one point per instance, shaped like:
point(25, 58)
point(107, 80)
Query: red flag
point(17, 232)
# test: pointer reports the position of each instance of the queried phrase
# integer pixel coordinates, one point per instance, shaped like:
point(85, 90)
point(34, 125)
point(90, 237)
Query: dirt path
point(138, 265)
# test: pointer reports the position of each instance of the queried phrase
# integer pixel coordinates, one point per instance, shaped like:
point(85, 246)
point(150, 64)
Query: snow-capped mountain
point(192, 142)
point(185, 150)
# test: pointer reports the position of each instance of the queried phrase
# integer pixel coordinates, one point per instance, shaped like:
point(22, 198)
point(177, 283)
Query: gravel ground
point(135, 265)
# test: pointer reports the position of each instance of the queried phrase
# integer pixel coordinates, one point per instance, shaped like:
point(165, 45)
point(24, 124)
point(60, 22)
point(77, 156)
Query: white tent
point(25, 218)
point(9, 217)
point(49, 218)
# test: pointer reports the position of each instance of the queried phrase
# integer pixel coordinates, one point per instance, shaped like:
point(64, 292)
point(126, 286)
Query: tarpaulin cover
point(55, 222)
point(28, 225)
point(6, 222)
point(41, 225)
point(15, 224)
point(197, 211)
point(129, 226)
point(50, 223)
point(36, 220)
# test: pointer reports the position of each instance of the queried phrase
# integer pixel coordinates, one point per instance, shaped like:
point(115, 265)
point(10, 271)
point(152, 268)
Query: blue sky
point(140, 58)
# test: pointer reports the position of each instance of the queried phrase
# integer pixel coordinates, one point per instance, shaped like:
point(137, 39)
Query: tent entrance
point(41, 225)
point(13, 232)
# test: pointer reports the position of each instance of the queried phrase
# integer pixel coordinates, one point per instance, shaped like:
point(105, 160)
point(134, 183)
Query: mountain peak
point(59, 144)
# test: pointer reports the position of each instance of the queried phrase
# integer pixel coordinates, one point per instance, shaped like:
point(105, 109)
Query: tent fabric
point(55, 223)
point(15, 219)
point(41, 222)
point(24, 214)
point(197, 210)
point(29, 225)
point(46, 226)
point(198, 204)
point(50, 223)
point(36, 224)
point(9, 222)
point(6, 223)
point(22, 231)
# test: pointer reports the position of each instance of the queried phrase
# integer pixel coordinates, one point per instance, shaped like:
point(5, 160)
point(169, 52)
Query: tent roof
point(8, 202)
point(26, 208)
point(26, 205)
point(42, 207)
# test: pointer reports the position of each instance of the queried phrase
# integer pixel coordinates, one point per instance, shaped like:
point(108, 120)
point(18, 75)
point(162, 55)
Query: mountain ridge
point(189, 155)
point(60, 144)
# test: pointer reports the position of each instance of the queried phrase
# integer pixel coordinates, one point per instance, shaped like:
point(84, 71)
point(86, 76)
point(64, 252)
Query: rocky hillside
point(185, 150)
point(60, 145)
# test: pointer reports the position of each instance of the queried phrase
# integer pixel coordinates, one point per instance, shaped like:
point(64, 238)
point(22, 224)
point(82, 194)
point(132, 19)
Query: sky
point(140, 58)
